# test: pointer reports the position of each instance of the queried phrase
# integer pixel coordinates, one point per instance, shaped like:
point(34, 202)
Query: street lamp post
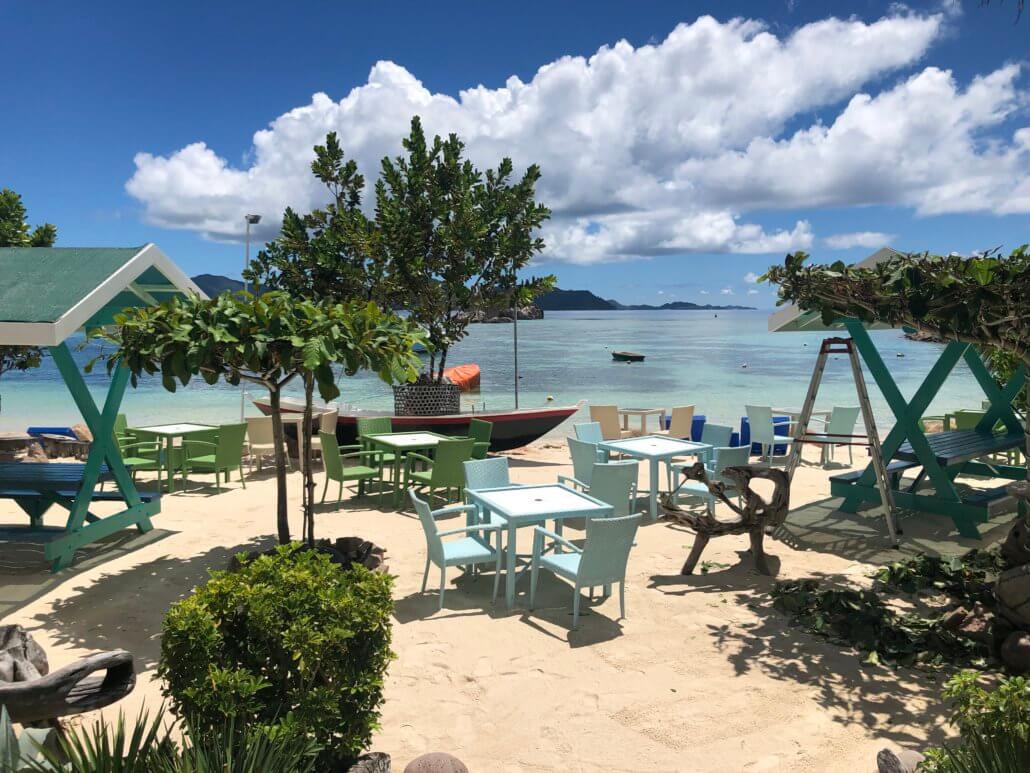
point(250, 220)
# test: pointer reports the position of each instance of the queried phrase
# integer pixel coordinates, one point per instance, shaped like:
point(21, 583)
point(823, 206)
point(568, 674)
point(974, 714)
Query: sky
point(685, 146)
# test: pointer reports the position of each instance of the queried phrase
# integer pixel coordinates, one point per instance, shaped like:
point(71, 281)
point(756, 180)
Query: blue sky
point(677, 163)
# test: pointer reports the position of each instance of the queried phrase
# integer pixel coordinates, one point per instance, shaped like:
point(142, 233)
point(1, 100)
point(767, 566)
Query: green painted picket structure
point(46, 295)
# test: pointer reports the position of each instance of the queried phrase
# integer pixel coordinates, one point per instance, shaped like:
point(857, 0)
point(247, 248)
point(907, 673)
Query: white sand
point(702, 676)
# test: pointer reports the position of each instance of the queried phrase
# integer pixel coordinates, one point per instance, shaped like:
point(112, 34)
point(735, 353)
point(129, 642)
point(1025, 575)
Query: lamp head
point(252, 219)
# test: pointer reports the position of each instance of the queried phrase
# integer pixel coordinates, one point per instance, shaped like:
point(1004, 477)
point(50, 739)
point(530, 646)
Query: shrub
point(290, 645)
point(995, 727)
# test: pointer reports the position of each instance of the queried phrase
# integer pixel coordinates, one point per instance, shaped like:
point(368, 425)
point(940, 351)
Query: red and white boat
point(513, 428)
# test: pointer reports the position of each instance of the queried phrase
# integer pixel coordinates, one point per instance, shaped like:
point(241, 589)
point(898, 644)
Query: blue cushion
point(467, 550)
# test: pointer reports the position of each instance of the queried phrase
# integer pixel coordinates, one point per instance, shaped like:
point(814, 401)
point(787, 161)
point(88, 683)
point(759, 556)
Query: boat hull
point(627, 357)
point(512, 428)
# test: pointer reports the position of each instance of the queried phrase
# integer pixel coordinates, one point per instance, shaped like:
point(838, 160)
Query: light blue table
point(655, 449)
point(530, 505)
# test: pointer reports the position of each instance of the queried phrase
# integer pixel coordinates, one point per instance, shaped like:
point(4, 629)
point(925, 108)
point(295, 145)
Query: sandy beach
point(703, 675)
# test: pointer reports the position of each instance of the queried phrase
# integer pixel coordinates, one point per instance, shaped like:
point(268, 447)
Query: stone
point(1015, 652)
point(436, 762)
point(373, 762)
point(35, 453)
point(1016, 547)
point(901, 761)
point(1012, 591)
point(25, 660)
point(82, 432)
point(952, 621)
point(977, 624)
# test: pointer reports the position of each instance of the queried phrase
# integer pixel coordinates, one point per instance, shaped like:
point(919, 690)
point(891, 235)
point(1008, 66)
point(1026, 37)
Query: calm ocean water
point(692, 357)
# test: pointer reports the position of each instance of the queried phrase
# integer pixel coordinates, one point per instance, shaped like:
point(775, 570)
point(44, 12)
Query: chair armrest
point(452, 509)
point(355, 454)
point(467, 529)
point(412, 456)
point(147, 445)
point(187, 445)
point(538, 537)
point(572, 481)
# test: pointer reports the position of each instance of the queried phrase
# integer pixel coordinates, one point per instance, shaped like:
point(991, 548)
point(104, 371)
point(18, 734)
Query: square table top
point(175, 430)
point(641, 411)
point(959, 446)
point(654, 446)
point(408, 439)
point(547, 500)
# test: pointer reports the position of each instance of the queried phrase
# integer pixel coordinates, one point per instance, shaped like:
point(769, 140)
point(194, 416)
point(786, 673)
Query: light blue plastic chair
point(760, 419)
point(615, 484)
point(488, 473)
point(467, 551)
point(590, 432)
point(841, 424)
point(732, 456)
point(601, 561)
point(584, 457)
point(716, 435)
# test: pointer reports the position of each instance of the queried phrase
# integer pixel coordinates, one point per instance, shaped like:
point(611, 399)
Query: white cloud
point(704, 292)
point(871, 239)
point(659, 149)
point(751, 277)
point(727, 291)
point(752, 291)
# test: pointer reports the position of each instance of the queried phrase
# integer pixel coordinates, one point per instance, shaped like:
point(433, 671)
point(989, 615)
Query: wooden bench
point(957, 447)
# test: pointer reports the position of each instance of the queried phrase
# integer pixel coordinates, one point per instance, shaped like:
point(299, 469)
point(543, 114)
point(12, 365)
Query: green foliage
point(266, 339)
point(330, 252)
point(23, 752)
point(15, 232)
point(979, 300)
point(290, 646)
point(861, 619)
point(995, 727)
point(452, 238)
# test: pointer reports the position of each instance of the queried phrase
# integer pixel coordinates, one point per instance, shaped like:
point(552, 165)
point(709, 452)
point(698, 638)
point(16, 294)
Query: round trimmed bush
point(290, 644)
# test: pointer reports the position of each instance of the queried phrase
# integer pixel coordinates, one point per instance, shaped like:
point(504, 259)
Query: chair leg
point(497, 573)
point(533, 572)
point(325, 490)
point(443, 584)
point(425, 575)
point(218, 482)
point(622, 598)
point(243, 480)
point(575, 608)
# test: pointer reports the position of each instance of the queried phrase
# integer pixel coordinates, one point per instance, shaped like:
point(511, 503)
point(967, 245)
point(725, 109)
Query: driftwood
point(33, 695)
point(756, 515)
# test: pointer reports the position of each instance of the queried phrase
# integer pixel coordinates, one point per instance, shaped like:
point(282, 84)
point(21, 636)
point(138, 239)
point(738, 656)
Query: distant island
point(556, 300)
point(584, 300)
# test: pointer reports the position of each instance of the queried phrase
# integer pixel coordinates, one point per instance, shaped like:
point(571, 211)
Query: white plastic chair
point(260, 442)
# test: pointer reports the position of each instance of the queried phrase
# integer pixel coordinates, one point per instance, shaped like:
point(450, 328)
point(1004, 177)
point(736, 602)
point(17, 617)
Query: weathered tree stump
point(31, 694)
point(756, 515)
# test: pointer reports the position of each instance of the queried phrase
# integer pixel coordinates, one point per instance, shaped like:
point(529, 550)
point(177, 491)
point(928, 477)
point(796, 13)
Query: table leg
point(168, 463)
point(397, 493)
point(654, 489)
point(509, 568)
point(643, 424)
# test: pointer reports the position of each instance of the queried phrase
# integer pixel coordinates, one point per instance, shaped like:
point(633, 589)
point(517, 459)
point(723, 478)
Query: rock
point(436, 762)
point(82, 432)
point(35, 453)
point(1016, 547)
point(373, 762)
point(977, 624)
point(1015, 652)
point(953, 619)
point(504, 315)
point(901, 761)
point(23, 659)
point(1012, 590)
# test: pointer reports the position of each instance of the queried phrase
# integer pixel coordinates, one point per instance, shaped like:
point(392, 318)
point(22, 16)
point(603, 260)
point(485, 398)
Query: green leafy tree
point(268, 340)
point(330, 252)
point(16, 232)
point(452, 239)
point(980, 300)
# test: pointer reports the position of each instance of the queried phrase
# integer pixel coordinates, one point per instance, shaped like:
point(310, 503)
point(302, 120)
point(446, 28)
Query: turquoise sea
point(692, 357)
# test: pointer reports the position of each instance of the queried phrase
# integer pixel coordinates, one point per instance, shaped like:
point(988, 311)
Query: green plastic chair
point(219, 451)
point(480, 431)
point(139, 455)
point(377, 425)
point(731, 456)
point(445, 469)
point(584, 457)
point(370, 466)
point(963, 419)
point(121, 427)
point(470, 550)
point(601, 561)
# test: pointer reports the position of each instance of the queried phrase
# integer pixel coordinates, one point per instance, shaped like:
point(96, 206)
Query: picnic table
point(531, 505)
point(655, 449)
point(36, 486)
point(166, 434)
point(401, 443)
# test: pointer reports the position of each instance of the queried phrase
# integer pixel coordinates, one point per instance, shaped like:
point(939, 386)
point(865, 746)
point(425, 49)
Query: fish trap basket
point(426, 399)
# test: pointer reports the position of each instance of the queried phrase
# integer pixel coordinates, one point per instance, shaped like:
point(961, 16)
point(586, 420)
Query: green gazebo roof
point(48, 293)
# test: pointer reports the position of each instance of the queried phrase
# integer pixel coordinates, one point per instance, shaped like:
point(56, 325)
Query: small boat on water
point(627, 357)
point(465, 377)
point(513, 428)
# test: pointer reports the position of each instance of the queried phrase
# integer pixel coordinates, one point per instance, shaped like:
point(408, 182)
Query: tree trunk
point(282, 519)
point(309, 478)
point(443, 363)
